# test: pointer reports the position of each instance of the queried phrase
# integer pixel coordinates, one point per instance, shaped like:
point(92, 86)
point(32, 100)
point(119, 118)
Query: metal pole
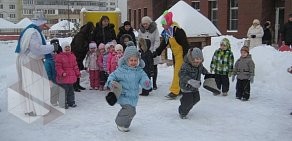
point(68, 17)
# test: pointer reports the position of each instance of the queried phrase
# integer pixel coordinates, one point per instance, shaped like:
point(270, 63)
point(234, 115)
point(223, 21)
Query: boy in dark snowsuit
point(190, 80)
point(147, 57)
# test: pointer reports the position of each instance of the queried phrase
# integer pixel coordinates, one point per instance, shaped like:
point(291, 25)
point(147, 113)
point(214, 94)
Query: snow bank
point(62, 25)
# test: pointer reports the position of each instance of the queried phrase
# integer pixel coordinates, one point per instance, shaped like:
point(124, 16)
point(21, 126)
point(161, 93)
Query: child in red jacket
point(67, 74)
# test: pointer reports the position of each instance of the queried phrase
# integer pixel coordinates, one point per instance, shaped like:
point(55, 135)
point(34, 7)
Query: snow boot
point(123, 129)
point(171, 96)
point(225, 94)
point(183, 116)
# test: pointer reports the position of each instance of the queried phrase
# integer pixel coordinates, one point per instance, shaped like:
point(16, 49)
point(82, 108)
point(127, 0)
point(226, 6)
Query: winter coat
point(50, 69)
point(153, 35)
point(104, 35)
point(102, 61)
point(112, 62)
point(188, 72)
point(123, 31)
point(147, 57)
point(29, 64)
point(286, 33)
point(130, 79)
point(92, 60)
point(180, 37)
point(66, 63)
point(222, 62)
point(258, 32)
point(80, 43)
point(244, 68)
point(267, 38)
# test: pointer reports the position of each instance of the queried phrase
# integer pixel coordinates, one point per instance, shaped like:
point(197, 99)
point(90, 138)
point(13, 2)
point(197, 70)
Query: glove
point(233, 78)
point(115, 84)
point(147, 84)
point(289, 70)
point(252, 36)
point(154, 54)
point(56, 47)
point(194, 83)
point(251, 79)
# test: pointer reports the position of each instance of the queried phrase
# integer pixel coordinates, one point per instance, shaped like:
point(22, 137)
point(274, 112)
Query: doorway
point(279, 22)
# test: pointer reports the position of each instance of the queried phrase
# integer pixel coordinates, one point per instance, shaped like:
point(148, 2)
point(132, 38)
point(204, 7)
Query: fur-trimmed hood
point(152, 27)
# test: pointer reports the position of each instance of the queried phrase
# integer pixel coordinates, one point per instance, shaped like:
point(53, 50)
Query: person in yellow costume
point(174, 37)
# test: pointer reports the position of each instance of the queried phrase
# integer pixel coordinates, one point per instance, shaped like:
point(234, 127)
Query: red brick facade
point(247, 11)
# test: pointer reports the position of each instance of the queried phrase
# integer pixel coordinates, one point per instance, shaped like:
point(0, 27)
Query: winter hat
point(101, 46)
point(127, 23)
point(245, 48)
point(119, 47)
point(256, 21)
point(195, 53)
point(39, 18)
point(107, 46)
point(146, 19)
point(130, 51)
point(167, 18)
point(225, 42)
point(92, 45)
point(65, 44)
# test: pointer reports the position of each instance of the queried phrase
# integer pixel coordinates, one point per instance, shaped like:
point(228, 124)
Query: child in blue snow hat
point(127, 78)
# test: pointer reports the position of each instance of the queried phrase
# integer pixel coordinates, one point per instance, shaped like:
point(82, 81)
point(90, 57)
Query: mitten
point(147, 84)
point(251, 78)
point(56, 47)
point(252, 36)
point(233, 78)
point(194, 83)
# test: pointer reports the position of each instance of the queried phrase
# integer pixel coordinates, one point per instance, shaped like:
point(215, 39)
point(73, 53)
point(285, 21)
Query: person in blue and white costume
point(34, 85)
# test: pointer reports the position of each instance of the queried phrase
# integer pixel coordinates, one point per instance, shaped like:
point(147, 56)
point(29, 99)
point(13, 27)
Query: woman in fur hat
point(255, 34)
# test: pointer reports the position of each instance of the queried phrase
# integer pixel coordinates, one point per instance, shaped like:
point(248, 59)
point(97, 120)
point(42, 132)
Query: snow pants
point(94, 78)
point(69, 97)
point(222, 81)
point(243, 89)
point(188, 100)
point(177, 52)
point(103, 77)
point(125, 116)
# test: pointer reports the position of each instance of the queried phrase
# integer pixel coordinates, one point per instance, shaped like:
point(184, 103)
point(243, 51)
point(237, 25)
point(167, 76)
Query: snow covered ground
point(215, 118)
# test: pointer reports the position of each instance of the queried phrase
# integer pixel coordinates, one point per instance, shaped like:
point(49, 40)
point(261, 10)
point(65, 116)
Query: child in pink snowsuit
point(92, 66)
point(67, 74)
point(102, 62)
point(113, 60)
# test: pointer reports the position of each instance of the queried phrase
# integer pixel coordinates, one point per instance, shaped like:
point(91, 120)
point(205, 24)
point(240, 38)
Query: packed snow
point(24, 23)
point(265, 117)
point(185, 15)
point(62, 25)
point(4, 24)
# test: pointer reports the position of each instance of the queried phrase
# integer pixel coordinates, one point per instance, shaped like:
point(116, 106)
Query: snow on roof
point(193, 22)
point(24, 23)
point(4, 24)
point(62, 25)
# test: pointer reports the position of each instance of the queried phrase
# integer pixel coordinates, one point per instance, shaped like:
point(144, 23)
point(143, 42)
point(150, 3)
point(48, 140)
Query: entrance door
point(279, 22)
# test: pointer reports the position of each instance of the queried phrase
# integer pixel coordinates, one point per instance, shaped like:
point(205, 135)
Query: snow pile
point(24, 23)
point(62, 25)
point(6, 24)
point(193, 22)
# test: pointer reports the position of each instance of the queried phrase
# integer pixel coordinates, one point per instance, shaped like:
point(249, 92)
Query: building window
point(12, 15)
point(139, 15)
point(27, 12)
point(112, 3)
point(130, 15)
point(51, 11)
point(135, 19)
point(196, 4)
point(213, 10)
point(1, 6)
point(1, 15)
point(11, 6)
point(145, 12)
point(233, 15)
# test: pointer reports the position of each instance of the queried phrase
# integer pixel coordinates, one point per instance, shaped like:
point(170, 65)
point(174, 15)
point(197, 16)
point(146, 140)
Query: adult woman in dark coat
point(104, 31)
point(79, 46)
point(126, 29)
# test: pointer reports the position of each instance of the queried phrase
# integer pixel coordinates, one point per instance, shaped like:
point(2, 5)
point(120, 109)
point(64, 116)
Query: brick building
point(232, 17)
